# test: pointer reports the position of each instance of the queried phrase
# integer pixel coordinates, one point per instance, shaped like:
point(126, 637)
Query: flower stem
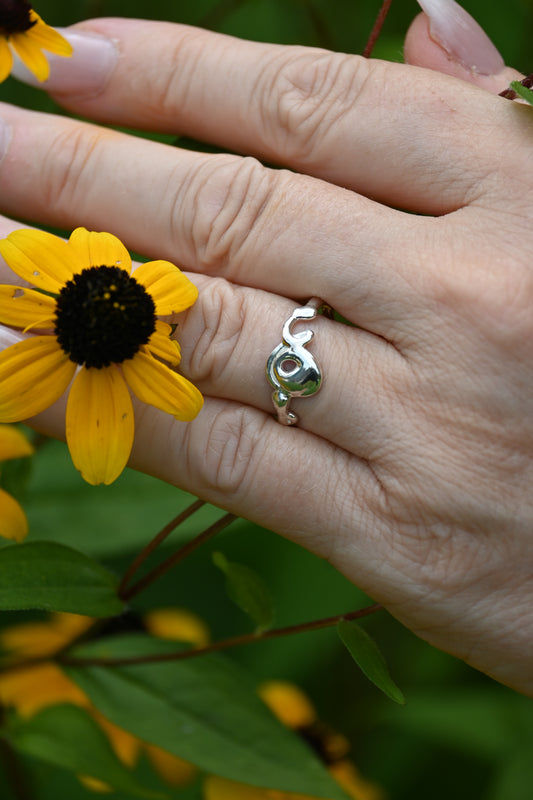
point(156, 541)
point(175, 558)
point(223, 644)
point(376, 30)
point(14, 772)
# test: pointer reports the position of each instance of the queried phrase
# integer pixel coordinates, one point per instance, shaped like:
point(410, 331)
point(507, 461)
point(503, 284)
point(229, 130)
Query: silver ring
point(291, 369)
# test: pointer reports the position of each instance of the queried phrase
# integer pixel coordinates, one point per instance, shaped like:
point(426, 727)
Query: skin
point(411, 471)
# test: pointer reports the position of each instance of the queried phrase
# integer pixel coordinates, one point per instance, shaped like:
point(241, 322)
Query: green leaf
point(247, 590)
point(514, 778)
point(66, 736)
point(54, 577)
point(522, 91)
point(368, 658)
point(203, 710)
point(135, 506)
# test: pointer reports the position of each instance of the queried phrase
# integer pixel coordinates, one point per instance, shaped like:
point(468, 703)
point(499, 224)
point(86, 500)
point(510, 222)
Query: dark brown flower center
point(103, 317)
point(15, 17)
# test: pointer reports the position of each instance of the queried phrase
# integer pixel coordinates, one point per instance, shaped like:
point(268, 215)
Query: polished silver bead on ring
point(291, 369)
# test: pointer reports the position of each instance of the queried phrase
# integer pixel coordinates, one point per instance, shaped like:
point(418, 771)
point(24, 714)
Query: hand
point(411, 471)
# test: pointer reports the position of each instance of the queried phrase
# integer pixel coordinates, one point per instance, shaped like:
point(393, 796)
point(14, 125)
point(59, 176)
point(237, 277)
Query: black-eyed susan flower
point(294, 709)
point(29, 689)
point(13, 522)
point(22, 29)
point(98, 324)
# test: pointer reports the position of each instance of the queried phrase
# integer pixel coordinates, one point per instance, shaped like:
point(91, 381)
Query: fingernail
point(5, 137)
point(461, 37)
point(85, 72)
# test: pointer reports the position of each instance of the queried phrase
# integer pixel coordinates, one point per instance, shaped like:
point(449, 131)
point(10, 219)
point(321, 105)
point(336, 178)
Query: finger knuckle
point(67, 168)
point(219, 209)
point(219, 321)
point(167, 86)
point(304, 95)
point(228, 456)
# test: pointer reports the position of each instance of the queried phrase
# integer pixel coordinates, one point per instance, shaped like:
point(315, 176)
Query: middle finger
point(225, 215)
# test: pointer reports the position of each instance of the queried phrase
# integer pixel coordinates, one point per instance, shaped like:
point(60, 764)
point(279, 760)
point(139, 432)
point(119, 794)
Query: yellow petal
point(290, 705)
point(156, 384)
point(70, 626)
point(99, 249)
point(171, 290)
point(6, 59)
point(34, 373)
point(99, 424)
point(95, 784)
point(40, 258)
point(30, 639)
point(125, 744)
point(47, 37)
point(162, 346)
point(24, 308)
point(13, 522)
point(355, 786)
point(216, 788)
point(29, 52)
point(13, 443)
point(30, 689)
point(177, 624)
point(33, 639)
point(173, 770)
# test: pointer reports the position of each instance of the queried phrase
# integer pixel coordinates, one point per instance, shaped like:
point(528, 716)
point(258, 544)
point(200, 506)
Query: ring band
point(291, 369)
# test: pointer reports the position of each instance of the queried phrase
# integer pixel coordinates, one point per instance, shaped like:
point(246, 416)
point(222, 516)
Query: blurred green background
point(460, 734)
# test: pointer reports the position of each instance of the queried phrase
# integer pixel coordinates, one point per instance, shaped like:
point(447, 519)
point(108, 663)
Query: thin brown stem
point(376, 30)
point(175, 558)
point(224, 644)
point(15, 774)
point(156, 541)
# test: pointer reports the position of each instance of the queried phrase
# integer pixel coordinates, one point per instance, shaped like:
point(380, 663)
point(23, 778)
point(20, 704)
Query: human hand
point(410, 471)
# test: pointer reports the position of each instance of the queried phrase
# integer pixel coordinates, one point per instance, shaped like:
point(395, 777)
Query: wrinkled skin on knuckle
point(165, 87)
point(225, 460)
point(67, 169)
point(220, 209)
point(301, 94)
point(213, 328)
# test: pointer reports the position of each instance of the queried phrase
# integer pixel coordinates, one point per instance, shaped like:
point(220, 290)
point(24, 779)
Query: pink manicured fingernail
point(85, 72)
point(461, 37)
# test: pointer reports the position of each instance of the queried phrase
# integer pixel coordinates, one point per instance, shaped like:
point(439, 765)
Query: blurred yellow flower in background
point(28, 689)
point(294, 709)
point(22, 29)
point(13, 522)
point(31, 688)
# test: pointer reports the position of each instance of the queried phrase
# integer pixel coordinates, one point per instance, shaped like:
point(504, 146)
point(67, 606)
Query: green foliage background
point(460, 735)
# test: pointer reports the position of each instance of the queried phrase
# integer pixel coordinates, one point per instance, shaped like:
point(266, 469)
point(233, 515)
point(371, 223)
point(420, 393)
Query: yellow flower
point(295, 710)
point(90, 313)
point(34, 687)
point(23, 29)
point(13, 522)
